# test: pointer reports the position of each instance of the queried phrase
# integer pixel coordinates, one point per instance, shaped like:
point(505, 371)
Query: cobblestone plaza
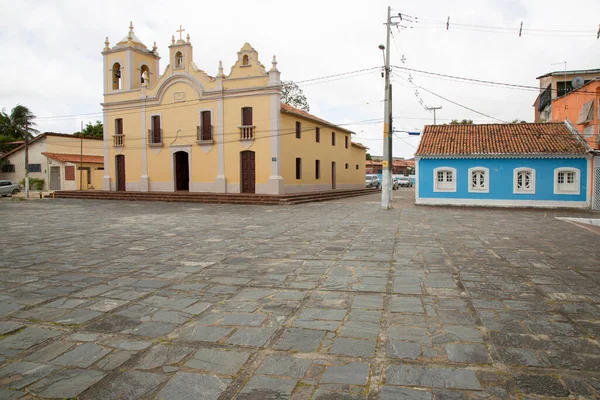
point(334, 300)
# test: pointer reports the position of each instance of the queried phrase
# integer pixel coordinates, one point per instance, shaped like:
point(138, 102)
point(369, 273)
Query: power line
point(344, 75)
point(291, 131)
point(455, 103)
point(532, 132)
point(336, 75)
point(401, 138)
point(481, 81)
point(425, 23)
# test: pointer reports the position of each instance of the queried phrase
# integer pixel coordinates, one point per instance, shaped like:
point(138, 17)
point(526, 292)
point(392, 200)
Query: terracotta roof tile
point(499, 139)
point(75, 158)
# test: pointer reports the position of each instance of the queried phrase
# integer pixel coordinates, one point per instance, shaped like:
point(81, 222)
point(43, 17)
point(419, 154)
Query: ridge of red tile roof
point(293, 110)
point(75, 158)
point(500, 139)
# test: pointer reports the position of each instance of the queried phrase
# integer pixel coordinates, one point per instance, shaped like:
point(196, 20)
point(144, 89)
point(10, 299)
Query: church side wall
point(309, 150)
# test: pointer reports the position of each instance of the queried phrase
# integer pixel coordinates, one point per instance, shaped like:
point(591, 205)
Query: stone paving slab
point(335, 300)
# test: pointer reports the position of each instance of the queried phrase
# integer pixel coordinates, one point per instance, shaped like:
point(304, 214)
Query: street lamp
point(412, 133)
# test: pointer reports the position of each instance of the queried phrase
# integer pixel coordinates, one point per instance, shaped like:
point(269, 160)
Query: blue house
point(503, 165)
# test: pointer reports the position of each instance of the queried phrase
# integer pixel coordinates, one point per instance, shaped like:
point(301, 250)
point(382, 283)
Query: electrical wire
point(425, 23)
point(186, 134)
point(193, 102)
point(529, 129)
point(486, 82)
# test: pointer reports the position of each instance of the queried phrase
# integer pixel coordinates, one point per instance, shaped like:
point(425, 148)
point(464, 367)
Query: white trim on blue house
point(486, 180)
point(502, 203)
point(452, 186)
point(417, 159)
point(532, 181)
point(576, 184)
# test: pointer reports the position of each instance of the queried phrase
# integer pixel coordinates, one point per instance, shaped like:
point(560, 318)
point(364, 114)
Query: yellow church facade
point(184, 130)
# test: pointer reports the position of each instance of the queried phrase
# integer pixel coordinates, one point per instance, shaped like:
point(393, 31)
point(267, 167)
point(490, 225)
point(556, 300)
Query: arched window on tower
point(245, 60)
point(145, 75)
point(116, 76)
point(178, 60)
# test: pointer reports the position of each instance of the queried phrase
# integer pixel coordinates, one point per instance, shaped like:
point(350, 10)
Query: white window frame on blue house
point(448, 182)
point(524, 190)
point(480, 187)
point(564, 186)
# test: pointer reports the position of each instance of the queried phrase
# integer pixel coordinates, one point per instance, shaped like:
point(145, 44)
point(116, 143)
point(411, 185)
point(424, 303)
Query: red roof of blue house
point(501, 139)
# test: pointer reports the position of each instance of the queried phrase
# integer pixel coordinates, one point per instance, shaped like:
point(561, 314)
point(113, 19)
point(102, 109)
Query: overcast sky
point(51, 59)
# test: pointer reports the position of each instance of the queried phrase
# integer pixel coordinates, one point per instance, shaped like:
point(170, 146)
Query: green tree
point(293, 96)
point(518, 121)
point(369, 156)
point(19, 124)
point(463, 122)
point(92, 131)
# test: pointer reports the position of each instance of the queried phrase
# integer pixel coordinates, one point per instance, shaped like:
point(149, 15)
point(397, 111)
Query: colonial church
point(184, 130)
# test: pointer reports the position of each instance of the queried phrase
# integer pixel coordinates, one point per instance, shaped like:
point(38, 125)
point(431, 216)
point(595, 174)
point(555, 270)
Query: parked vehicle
point(403, 181)
point(9, 188)
point(372, 181)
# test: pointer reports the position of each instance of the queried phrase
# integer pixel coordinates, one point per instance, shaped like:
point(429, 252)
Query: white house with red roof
point(57, 159)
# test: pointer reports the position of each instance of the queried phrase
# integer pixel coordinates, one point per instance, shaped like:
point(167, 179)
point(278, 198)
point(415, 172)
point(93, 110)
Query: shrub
point(34, 183)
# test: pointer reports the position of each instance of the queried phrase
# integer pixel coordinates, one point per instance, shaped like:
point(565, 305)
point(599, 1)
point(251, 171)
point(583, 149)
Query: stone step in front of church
point(214, 198)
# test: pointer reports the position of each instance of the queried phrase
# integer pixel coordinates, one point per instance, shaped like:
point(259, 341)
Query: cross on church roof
point(181, 30)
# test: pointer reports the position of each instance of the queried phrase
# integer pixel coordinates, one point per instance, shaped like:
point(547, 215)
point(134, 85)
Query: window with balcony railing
point(155, 134)
point(118, 136)
point(205, 129)
point(247, 128)
point(205, 133)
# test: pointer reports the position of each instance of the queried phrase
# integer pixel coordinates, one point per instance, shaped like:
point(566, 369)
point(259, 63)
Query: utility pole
point(386, 189)
point(433, 109)
point(81, 158)
point(26, 162)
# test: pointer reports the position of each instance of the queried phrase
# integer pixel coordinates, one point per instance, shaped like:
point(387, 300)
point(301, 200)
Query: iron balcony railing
point(204, 133)
point(155, 136)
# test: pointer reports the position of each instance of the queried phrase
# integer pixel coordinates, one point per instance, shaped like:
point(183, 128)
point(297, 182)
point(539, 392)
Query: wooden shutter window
point(298, 130)
point(247, 116)
point(206, 126)
point(70, 173)
point(118, 126)
point(333, 138)
point(317, 169)
point(317, 135)
point(346, 141)
point(298, 168)
point(156, 136)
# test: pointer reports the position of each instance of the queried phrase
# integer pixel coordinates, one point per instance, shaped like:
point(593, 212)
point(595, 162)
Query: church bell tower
point(129, 65)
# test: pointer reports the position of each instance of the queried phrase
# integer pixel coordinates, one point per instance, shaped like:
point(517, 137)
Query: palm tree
point(19, 124)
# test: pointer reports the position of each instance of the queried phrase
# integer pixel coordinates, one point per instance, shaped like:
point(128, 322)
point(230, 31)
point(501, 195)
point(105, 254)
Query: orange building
point(582, 108)
point(557, 84)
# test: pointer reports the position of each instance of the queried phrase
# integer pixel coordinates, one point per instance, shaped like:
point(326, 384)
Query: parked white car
point(372, 181)
point(9, 188)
